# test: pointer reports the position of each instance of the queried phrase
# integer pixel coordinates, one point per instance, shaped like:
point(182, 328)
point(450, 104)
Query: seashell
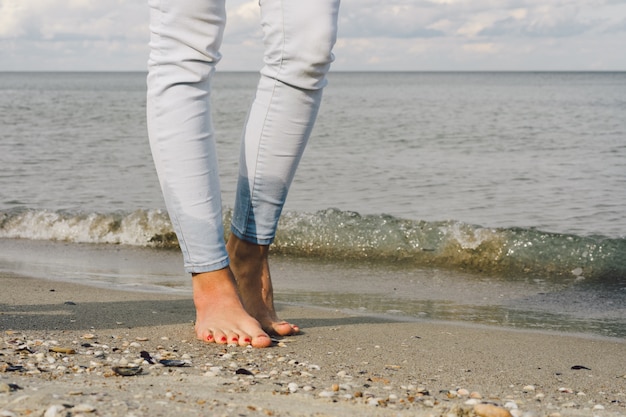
point(172, 362)
point(8, 367)
point(127, 370)
point(57, 349)
point(84, 408)
point(146, 356)
point(489, 410)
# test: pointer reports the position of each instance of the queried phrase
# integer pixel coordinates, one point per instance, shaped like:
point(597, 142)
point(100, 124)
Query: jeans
point(184, 48)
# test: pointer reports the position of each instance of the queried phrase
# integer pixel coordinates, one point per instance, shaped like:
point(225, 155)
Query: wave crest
point(335, 234)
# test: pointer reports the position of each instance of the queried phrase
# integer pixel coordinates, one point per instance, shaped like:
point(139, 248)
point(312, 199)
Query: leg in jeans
point(298, 36)
point(184, 42)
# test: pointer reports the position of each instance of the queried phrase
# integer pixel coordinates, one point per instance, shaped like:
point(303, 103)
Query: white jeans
point(184, 48)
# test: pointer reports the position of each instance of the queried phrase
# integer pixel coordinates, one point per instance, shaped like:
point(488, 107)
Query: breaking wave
point(335, 234)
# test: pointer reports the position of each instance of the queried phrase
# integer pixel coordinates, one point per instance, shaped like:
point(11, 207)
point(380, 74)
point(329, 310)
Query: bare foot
point(220, 315)
point(249, 263)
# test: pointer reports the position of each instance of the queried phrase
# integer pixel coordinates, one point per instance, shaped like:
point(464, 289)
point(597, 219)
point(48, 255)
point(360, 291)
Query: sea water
point(512, 177)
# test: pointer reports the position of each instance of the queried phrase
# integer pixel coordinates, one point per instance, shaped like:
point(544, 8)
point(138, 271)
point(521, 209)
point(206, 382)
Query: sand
point(341, 364)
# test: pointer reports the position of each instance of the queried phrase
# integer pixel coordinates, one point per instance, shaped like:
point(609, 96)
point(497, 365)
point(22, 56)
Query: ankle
point(242, 250)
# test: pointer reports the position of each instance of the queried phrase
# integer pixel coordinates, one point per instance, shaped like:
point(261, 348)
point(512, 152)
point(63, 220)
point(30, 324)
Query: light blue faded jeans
point(184, 48)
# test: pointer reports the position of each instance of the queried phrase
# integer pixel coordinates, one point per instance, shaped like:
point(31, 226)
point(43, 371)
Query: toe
point(220, 337)
point(284, 328)
point(233, 338)
point(261, 341)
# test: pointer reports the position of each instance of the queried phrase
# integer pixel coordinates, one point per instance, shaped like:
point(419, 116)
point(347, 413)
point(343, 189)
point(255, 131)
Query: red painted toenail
point(223, 339)
point(247, 340)
point(209, 337)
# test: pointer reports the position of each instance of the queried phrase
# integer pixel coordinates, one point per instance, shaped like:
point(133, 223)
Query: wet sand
point(341, 365)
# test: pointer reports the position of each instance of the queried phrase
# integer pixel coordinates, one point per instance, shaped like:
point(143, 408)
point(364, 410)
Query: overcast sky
point(453, 35)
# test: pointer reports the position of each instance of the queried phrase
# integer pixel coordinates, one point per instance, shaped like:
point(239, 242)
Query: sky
point(374, 35)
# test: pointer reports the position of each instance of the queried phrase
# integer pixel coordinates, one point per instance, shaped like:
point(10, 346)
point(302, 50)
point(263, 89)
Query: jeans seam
point(262, 133)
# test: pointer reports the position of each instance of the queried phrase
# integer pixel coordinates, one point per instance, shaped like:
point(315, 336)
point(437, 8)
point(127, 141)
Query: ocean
point(490, 198)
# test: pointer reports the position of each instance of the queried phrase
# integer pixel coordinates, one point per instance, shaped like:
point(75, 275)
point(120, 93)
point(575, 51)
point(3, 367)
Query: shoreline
point(342, 364)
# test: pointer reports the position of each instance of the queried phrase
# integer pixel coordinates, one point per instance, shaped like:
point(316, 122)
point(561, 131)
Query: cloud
point(397, 19)
point(389, 35)
point(51, 20)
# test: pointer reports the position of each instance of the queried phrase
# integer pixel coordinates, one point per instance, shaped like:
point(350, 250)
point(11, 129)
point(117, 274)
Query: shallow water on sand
point(361, 288)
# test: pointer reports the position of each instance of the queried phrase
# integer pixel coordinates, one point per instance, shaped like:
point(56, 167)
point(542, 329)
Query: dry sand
point(341, 365)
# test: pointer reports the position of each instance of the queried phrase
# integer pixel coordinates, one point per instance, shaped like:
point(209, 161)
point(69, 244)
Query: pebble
point(510, 405)
point(326, 394)
point(53, 410)
point(490, 410)
point(528, 388)
point(598, 407)
point(84, 408)
point(472, 401)
point(292, 387)
point(375, 401)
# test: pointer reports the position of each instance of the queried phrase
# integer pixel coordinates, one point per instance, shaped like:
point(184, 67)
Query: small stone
point(570, 404)
point(53, 410)
point(335, 387)
point(292, 387)
point(84, 408)
point(489, 410)
point(462, 392)
point(472, 401)
point(89, 336)
point(326, 394)
point(566, 390)
point(307, 388)
point(475, 394)
point(66, 350)
point(511, 405)
point(598, 407)
point(529, 388)
point(374, 401)
point(141, 339)
point(127, 370)
point(428, 403)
